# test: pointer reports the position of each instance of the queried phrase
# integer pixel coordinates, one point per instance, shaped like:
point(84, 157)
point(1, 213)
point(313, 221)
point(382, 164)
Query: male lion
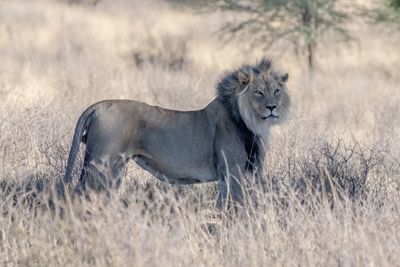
point(217, 143)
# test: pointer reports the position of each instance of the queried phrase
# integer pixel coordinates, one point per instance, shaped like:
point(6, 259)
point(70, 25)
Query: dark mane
point(253, 146)
point(227, 91)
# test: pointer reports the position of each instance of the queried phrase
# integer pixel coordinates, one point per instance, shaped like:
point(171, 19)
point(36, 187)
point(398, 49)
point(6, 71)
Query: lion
point(221, 142)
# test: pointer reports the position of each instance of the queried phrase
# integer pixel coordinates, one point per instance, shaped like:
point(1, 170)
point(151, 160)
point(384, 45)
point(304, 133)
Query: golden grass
point(56, 59)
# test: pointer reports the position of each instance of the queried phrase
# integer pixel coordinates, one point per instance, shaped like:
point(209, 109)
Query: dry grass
point(332, 171)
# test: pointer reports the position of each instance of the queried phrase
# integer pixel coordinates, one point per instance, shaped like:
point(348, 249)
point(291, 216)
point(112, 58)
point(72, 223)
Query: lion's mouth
point(270, 116)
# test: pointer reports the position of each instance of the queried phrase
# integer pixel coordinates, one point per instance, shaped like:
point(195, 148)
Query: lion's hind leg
point(94, 176)
point(101, 175)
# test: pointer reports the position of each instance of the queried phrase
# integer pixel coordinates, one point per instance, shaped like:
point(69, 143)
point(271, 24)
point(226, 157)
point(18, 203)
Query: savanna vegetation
point(332, 171)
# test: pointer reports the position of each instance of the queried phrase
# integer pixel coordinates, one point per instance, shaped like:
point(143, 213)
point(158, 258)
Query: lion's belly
point(177, 145)
point(192, 175)
point(181, 148)
point(181, 162)
point(171, 173)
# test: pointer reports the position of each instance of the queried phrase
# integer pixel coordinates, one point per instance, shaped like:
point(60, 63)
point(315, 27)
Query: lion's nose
point(271, 107)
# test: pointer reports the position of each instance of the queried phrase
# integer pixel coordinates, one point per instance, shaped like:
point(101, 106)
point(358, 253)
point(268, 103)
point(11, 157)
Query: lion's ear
point(244, 77)
point(285, 77)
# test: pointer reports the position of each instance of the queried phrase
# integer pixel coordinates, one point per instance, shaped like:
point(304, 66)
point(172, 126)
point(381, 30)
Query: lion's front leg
point(230, 191)
point(231, 182)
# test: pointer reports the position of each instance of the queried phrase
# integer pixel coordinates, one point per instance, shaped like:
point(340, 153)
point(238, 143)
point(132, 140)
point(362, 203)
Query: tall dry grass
point(332, 171)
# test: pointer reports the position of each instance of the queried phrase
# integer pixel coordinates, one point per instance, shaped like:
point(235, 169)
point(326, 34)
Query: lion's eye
point(277, 91)
point(258, 93)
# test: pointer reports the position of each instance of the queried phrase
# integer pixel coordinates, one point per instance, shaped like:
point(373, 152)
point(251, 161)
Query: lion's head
point(256, 94)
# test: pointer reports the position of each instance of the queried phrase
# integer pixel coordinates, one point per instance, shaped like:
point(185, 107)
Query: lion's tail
point(81, 126)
